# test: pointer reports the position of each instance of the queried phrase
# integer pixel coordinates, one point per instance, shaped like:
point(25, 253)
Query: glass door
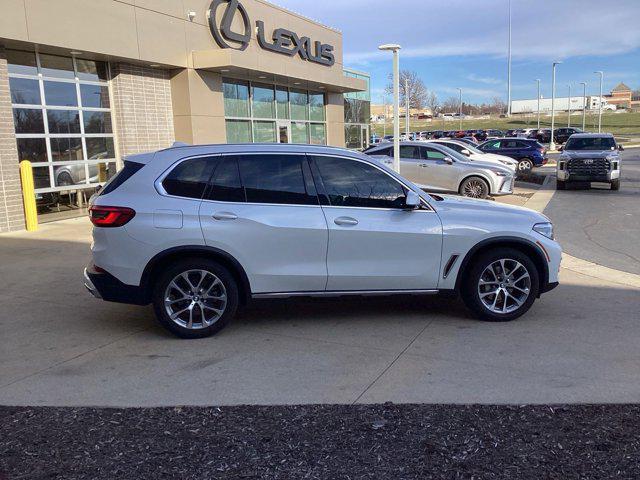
point(284, 132)
point(364, 136)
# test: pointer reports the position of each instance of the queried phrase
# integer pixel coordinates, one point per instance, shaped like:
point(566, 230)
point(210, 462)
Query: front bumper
point(565, 176)
point(105, 286)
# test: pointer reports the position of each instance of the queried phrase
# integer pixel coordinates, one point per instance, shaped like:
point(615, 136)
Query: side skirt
point(342, 293)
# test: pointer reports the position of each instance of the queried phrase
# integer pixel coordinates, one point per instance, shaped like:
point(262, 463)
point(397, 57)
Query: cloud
point(487, 80)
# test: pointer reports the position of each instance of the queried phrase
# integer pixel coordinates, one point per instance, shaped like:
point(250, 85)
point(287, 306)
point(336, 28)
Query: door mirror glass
point(560, 148)
point(448, 160)
point(466, 152)
point(412, 201)
point(620, 147)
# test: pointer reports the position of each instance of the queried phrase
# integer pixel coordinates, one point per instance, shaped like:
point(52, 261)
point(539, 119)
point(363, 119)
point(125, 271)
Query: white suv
point(198, 230)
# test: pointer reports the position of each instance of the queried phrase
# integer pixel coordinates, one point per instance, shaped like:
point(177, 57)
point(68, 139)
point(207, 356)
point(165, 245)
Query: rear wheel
point(500, 285)
point(474, 187)
point(615, 184)
point(195, 298)
point(525, 165)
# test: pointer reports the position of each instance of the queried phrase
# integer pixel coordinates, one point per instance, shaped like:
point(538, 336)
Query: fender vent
point(450, 264)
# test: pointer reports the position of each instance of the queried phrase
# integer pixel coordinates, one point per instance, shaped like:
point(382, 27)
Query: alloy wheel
point(195, 299)
point(474, 188)
point(525, 165)
point(504, 286)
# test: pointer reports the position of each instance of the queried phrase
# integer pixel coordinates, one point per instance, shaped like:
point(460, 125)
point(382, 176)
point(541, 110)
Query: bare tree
point(431, 101)
point(498, 105)
point(451, 105)
point(417, 91)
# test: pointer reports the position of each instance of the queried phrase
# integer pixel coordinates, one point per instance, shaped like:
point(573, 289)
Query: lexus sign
point(281, 41)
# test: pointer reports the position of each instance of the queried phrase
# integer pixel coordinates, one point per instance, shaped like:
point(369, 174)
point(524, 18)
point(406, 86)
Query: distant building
point(622, 97)
point(382, 112)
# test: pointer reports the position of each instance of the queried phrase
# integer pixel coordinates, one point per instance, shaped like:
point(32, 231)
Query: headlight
point(545, 229)
point(499, 173)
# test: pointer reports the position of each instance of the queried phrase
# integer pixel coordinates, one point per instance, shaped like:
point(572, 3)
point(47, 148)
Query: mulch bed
point(324, 441)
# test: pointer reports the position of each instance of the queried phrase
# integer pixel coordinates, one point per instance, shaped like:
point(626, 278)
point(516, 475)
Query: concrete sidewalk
point(62, 347)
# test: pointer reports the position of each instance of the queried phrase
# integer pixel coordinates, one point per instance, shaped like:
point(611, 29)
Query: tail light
point(110, 216)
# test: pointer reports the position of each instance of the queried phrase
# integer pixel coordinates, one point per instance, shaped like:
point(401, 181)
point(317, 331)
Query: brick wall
point(11, 208)
point(142, 110)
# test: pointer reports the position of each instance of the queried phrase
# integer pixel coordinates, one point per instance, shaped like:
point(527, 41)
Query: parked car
point(589, 157)
point(561, 135)
point(491, 133)
point(528, 153)
point(473, 153)
point(544, 135)
point(470, 140)
point(437, 134)
point(437, 168)
point(199, 230)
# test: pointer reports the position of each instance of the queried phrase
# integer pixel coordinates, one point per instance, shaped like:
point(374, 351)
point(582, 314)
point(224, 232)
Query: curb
point(539, 202)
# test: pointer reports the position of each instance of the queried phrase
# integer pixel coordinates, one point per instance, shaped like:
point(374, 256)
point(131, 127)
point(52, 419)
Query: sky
point(463, 43)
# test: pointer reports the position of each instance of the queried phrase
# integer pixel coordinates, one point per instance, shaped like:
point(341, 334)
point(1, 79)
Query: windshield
point(591, 143)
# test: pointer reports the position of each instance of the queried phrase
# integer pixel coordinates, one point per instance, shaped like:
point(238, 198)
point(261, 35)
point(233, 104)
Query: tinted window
point(350, 183)
point(454, 146)
point(28, 120)
point(60, 94)
point(225, 184)
point(522, 144)
point(63, 121)
point(511, 144)
point(591, 143)
point(491, 145)
point(412, 152)
point(33, 149)
point(94, 96)
point(122, 176)
point(384, 151)
point(432, 154)
point(25, 91)
point(189, 179)
point(275, 179)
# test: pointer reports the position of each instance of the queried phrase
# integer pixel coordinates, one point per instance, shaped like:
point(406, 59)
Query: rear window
point(591, 143)
point(129, 169)
point(190, 178)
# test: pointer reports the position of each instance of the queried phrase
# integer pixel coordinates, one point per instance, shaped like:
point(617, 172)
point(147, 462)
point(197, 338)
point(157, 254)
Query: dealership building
point(84, 83)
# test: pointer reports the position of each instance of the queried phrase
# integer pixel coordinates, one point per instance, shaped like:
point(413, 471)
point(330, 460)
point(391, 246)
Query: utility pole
point(460, 109)
point(584, 104)
point(552, 144)
point(396, 103)
point(384, 114)
point(509, 67)
point(599, 72)
point(538, 82)
point(406, 106)
point(569, 121)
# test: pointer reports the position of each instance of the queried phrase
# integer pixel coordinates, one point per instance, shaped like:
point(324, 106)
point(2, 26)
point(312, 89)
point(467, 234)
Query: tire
point(561, 185)
point(615, 184)
point(65, 180)
point(525, 165)
point(474, 187)
point(512, 305)
point(216, 280)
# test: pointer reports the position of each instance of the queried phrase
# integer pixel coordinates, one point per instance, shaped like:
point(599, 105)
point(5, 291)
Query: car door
point(263, 210)
point(374, 243)
point(510, 147)
point(410, 160)
point(440, 174)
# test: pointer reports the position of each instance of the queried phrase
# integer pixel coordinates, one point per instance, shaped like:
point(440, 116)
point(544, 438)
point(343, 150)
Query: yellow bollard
point(28, 196)
point(102, 172)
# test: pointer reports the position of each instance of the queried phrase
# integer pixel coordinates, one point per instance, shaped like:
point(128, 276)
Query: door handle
point(345, 221)
point(423, 165)
point(225, 216)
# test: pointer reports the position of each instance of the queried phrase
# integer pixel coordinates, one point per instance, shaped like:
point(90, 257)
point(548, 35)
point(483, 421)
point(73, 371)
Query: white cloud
point(487, 80)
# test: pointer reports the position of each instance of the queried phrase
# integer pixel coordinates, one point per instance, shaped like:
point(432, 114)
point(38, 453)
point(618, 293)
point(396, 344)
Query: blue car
point(528, 153)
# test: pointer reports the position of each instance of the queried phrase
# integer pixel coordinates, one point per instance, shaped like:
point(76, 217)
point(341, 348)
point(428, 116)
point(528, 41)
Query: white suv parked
point(198, 230)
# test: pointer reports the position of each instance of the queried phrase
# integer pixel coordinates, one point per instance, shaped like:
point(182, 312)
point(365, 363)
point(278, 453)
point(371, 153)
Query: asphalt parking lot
point(62, 347)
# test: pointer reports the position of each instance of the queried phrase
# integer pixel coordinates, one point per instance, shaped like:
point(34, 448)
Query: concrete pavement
point(59, 346)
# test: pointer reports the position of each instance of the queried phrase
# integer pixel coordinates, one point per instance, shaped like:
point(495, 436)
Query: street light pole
point(384, 113)
point(460, 109)
point(538, 82)
point(396, 103)
point(584, 104)
point(569, 121)
point(601, 73)
point(552, 144)
point(509, 67)
point(406, 106)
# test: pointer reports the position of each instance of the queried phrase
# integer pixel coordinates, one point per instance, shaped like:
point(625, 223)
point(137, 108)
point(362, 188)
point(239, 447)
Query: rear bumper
point(107, 287)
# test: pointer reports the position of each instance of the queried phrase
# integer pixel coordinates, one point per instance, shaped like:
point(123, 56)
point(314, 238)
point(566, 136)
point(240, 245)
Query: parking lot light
point(569, 116)
point(538, 82)
point(552, 144)
point(396, 102)
point(601, 73)
point(584, 104)
point(460, 108)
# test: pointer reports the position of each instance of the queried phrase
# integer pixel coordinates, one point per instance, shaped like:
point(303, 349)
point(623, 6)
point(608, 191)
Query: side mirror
point(412, 201)
point(465, 152)
point(560, 148)
point(448, 160)
point(621, 148)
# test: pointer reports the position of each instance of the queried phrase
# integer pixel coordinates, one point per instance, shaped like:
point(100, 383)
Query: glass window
point(25, 91)
point(226, 185)
point(94, 96)
point(299, 132)
point(350, 183)
point(21, 62)
point(236, 98)
point(97, 122)
point(75, 174)
point(264, 132)
point(317, 134)
point(238, 131)
point(100, 147)
point(102, 172)
point(127, 171)
point(410, 152)
point(316, 106)
point(432, 154)
point(66, 149)
point(275, 179)
point(282, 102)
point(299, 105)
point(32, 149)
point(383, 151)
point(28, 120)
point(190, 178)
point(41, 177)
point(63, 121)
point(263, 97)
point(55, 66)
point(352, 136)
point(60, 94)
point(509, 144)
point(91, 70)
point(495, 145)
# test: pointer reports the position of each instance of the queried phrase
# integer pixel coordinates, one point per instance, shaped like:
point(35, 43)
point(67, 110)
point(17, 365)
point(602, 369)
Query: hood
point(490, 165)
point(570, 154)
point(455, 202)
point(502, 158)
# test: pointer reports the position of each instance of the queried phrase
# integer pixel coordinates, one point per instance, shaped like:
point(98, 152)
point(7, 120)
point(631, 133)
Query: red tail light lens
point(110, 216)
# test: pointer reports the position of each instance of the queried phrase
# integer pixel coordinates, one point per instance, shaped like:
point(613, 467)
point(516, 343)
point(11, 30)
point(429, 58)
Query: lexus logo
point(282, 40)
point(225, 33)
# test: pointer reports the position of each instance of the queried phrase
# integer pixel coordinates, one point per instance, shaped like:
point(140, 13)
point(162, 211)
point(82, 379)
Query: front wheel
point(615, 184)
point(474, 187)
point(561, 185)
point(195, 298)
point(525, 165)
point(500, 285)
